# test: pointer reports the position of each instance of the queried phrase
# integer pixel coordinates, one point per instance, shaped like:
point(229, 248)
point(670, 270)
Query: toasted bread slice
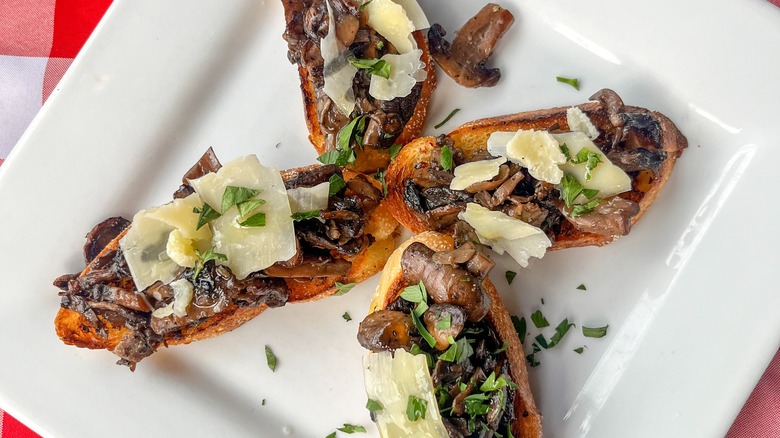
point(470, 140)
point(368, 159)
point(528, 420)
point(74, 328)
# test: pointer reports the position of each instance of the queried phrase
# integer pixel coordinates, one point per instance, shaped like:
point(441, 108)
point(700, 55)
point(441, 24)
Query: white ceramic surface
point(690, 296)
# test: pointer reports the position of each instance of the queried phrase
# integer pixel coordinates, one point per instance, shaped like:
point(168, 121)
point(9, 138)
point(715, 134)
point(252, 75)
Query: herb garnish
point(571, 81)
point(303, 215)
point(337, 157)
point(331, 435)
point(416, 408)
point(394, 150)
point(450, 355)
point(570, 189)
point(236, 195)
point(415, 293)
point(464, 350)
point(246, 207)
point(582, 287)
point(270, 358)
point(447, 119)
point(336, 183)
point(579, 350)
point(360, 8)
point(503, 348)
point(475, 404)
point(342, 288)
point(206, 215)
point(346, 317)
point(520, 327)
point(422, 330)
point(380, 176)
point(349, 131)
point(510, 276)
point(565, 150)
point(378, 67)
point(493, 383)
point(204, 258)
point(590, 158)
point(581, 209)
point(446, 158)
point(257, 220)
point(560, 332)
point(374, 406)
point(595, 332)
point(351, 428)
point(539, 320)
point(445, 323)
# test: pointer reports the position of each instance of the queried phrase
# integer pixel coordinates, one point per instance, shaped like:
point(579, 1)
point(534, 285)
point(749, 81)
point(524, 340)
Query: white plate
point(690, 296)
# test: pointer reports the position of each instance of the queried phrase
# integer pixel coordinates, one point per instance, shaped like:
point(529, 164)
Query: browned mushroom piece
point(464, 59)
point(446, 284)
point(612, 217)
point(444, 322)
point(102, 234)
point(385, 330)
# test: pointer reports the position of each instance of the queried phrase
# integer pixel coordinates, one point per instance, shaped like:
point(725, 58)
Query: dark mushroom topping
point(464, 60)
point(444, 216)
point(207, 163)
point(612, 217)
point(632, 160)
point(444, 321)
point(471, 254)
point(102, 234)
point(492, 184)
point(313, 176)
point(385, 330)
point(446, 284)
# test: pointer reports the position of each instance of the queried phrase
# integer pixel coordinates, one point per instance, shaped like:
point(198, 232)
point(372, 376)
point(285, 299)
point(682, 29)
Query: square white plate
point(690, 296)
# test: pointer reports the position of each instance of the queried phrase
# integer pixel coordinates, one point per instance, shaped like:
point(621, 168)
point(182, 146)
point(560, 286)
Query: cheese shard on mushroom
point(538, 151)
point(148, 247)
point(503, 233)
point(249, 248)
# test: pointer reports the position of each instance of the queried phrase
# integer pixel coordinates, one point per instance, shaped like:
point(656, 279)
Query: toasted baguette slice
point(471, 141)
point(76, 329)
point(528, 420)
point(368, 159)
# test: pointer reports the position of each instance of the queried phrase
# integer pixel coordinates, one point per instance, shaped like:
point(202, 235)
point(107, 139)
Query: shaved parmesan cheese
point(579, 121)
point(390, 20)
point(497, 142)
point(250, 249)
point(391, 381)
point(476, 171)
point(181, 250)
point(607, 178)
point(415, 14)
point(539, 152)
point(145, 246)
point(338, 72)
point(183, 292)
point(505, 233)
point(405, 71)
point(309, 198)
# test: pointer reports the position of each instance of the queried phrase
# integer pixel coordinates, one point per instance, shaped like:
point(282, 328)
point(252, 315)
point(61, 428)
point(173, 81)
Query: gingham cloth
point(38, 41)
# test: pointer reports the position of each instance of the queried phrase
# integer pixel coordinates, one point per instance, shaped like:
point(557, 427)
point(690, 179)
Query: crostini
point(366, 76)
point(445, 358)
point(236, 239)
point(551, 179)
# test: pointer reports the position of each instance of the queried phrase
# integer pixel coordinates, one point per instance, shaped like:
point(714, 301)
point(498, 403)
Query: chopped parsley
point(503, 348)
point(582, 287)
point(336, 183)
point(374, 406)
point(206, 215)
point(560, 332)
point(353, 129)
point(464, 350)
point(477, 404)
point(380, 176)
point(303, 215)
point(450, 355)
point(444, 323)
point(422, 330)
point(394, 150)
point(270, 358)
point(351, 428)
point(571, 81)
point(447, 119)
point(346, 316)
point(539, 320)
point(337, 157)
point(204, 258)
point(342, 288)
point(446, 158)
point(416, 408)
point(493, 383)
point(587, 207)
point(510, 276)
point(590, 158)
point(246, 207)
point(595, 332)
point(378, 67)
point(235, 195)
point(570, 189)
point(415, 294)
point(257, 220)
point(520, 327)
point(579, 350)
point(565, 150)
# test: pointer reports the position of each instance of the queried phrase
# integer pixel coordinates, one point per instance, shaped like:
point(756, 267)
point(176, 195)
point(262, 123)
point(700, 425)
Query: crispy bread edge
point(473, 136)
point(529, 421)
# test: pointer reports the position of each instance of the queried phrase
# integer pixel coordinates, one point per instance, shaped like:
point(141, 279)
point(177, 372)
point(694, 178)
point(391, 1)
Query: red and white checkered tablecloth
point(38, 41)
